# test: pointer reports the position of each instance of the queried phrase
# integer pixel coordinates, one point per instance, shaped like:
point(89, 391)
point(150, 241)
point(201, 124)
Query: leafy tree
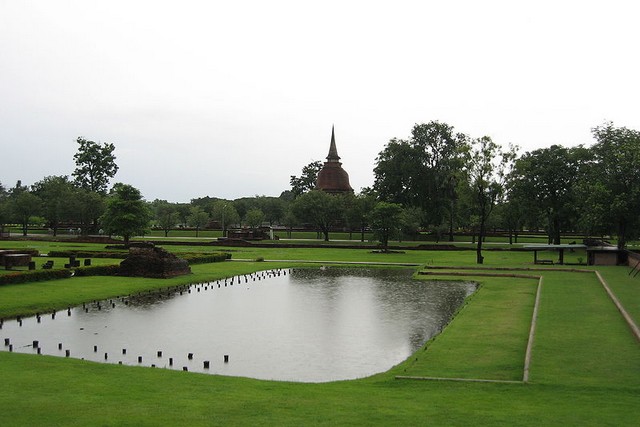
point(385, 220)
point(224, 212)
point(23, 206)
point(4, 207)
point(307, 181)
point(95, 165)
point(273, 208)
point(242, 206)
point(197, 218)
point(615, 178)
point(410, 221)
point(424, 171)
point(57, 195)
point(486, 173)
point(318, 208)
point(357, 211)
point(254, 218)
point(290, 220)
point(398, 173)
point(183, 210)
point(166, 215)
point(126, 213)
point(87, 207)
point(545, 180)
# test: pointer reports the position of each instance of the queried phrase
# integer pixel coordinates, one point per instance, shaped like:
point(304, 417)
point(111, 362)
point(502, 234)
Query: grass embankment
point(585, 368)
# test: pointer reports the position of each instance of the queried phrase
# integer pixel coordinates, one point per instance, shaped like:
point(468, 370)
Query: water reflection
point(303, 325)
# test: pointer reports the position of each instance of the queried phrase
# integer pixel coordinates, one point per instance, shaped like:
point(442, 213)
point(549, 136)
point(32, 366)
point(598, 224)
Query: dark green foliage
point(95, 165)
point(205, 258)
point(98, 270)
point(127, 214)
point(424, 171)
point(33, 276)
point(385, 221)
point(307, 181)
point(318, 208)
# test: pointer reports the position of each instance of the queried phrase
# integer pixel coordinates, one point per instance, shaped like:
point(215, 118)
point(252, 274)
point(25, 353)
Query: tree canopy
point(307, 181)
point(126, 213)
point(95, 165)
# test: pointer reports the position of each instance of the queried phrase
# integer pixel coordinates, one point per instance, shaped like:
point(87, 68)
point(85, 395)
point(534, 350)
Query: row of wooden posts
point(180, 289)
point(36, 345)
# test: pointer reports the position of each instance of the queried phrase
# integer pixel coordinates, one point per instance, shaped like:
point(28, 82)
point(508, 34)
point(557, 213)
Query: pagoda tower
point(332, 178)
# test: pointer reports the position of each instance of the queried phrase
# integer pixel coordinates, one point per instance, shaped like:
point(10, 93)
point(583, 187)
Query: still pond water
point(310, 325)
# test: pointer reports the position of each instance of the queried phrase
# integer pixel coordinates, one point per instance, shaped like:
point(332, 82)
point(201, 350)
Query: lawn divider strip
point(632, 325)
point(532, 332)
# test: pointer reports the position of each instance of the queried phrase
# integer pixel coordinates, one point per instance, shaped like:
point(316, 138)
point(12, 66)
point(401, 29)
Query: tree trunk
point(451, 223)
point(622, 234)
point(556, 230)
point(479, 257)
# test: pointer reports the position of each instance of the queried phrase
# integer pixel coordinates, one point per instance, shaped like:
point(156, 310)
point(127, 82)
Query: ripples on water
point(310, 325)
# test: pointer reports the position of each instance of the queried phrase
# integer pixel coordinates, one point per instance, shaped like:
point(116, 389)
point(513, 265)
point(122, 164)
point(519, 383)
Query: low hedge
point(34, 276)
point(205, 258)
point(97, 270)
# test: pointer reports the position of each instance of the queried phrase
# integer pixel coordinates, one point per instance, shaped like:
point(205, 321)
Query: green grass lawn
point(585, 367)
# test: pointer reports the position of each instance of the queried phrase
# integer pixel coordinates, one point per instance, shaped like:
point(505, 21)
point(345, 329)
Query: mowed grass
point(488, 337)
point(584, 368)
point(582, 339)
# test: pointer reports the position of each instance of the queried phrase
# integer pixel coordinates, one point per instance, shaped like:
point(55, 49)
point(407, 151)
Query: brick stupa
point(332, 178)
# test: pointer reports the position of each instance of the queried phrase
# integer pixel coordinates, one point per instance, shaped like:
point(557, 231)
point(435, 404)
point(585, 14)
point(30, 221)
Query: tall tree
point(57, 195)
point(357, 211)
point(545, 180)
point(4, 207)
point(254, 218)
point(307, 181)
point(23, 206)
point(95, 165)
point(385, 221)
point(424, 171)
point(224, 212)
point(87, 207)
point(198, 218)
point(616, 177)
point(166, 214)
point(320, 209)
point(126, 213)
point(486, 171)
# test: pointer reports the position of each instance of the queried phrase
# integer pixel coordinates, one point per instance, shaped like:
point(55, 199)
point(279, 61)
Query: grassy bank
point(585, 368)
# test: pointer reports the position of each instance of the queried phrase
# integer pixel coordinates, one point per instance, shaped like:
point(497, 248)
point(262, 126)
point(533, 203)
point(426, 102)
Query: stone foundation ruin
point(146, 260)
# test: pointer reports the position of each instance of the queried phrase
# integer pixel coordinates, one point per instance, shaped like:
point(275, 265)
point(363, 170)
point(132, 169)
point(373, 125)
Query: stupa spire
point(332, 178)
point(333, 152)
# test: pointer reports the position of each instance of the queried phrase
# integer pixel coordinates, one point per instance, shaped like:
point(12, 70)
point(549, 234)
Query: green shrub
point(33, 276)
point(98, 270)
point(206, 258)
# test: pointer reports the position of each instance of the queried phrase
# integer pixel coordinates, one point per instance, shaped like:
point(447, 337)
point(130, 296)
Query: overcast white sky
point(230, 98)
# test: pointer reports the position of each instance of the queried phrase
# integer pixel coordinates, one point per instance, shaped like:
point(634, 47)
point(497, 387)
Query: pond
point(308, 325)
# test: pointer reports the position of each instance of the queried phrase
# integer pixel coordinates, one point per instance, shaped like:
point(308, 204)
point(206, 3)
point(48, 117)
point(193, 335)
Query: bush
point(98, 270)
point(205, 258)
point(33, 276)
